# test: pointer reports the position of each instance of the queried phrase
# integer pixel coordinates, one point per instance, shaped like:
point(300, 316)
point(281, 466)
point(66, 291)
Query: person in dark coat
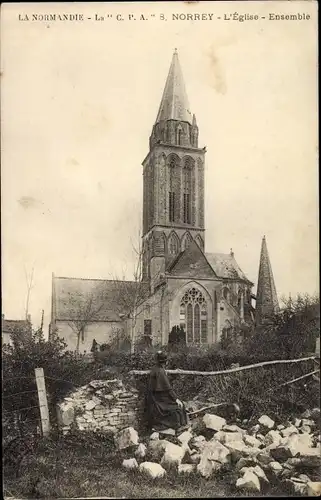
point(164, 409)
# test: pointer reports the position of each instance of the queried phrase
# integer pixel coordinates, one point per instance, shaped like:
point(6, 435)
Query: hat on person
point(161, 356)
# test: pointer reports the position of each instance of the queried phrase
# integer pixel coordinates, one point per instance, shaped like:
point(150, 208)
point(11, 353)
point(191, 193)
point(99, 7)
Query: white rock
point(156, 448)
point(152, 469)
point(275, 467)
point(280, 427)
point(198, 442)
point(264, 458)
point(288, 431)
point(168, 432)
point(260, 474)
point(233, 428)
point(249, 482)
point(126, 438)
point(186, 468)
point(130, 463)
point(214, 422)
point(314, 488)
point(297, 422)
point(255, 429)
point(141, 451)
point(246, 462)
point(154, 436)
point(266, 422)
point(232, 437)
point(213, 456)
point(90, 405)
point(173, 455)
point(307, 421)
point(238, 449)
point(65, 413)
point(185, 437)
point(296, 487)
point(272, 437)
point(251, 440)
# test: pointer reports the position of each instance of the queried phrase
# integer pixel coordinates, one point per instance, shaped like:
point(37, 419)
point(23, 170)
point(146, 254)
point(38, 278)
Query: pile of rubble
point(263, 455)
point(104, 405)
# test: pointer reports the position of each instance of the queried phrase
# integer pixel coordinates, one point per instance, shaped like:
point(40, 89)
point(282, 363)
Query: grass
point(66, 471)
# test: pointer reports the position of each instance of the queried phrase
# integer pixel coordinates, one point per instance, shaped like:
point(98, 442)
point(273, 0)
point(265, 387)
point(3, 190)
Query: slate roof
point(100, 300)
point(225, 266)
point(174, 104)
point(10, 325)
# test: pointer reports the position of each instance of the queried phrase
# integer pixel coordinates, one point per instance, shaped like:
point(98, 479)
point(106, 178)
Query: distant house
point(8, 326)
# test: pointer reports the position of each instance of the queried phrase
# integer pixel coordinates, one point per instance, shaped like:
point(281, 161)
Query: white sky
point(78, 104)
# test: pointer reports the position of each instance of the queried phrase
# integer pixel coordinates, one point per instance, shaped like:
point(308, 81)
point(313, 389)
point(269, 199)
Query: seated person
point(164, 409)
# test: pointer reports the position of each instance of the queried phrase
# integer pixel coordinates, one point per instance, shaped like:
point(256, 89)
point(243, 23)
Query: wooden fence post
point(43, 403)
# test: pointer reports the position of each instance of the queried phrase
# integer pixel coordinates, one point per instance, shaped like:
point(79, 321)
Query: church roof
point(95, 299)
point(225, 266)
point(174, 104)
point(266, 297)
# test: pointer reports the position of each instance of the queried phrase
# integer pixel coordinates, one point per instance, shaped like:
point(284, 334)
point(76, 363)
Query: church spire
point(266, 297)
point(174, 104)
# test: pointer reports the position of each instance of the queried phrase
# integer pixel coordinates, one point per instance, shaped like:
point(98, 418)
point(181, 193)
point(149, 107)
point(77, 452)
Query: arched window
point(199, 241)
point(187, 189)
point(172, 199)
point(179, 134)
point(173, 245)
point(186, 241)
point(226, 294)
point(193, 316)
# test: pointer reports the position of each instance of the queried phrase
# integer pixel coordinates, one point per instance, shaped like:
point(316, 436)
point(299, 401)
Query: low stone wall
point(104, 405)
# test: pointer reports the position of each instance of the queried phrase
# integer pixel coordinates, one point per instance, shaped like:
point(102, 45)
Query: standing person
point(164, 409)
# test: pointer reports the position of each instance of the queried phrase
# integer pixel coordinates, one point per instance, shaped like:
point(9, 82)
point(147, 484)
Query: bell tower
point(173, 173)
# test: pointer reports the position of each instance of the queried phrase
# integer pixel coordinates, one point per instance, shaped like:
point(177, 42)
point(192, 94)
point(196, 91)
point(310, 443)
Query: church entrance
point(193, 316)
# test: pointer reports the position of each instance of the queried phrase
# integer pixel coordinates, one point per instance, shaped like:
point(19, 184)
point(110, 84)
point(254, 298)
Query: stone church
point(182, 283)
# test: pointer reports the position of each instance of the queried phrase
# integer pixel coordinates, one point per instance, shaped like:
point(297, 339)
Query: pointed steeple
point(174, 104)
point(266, 297)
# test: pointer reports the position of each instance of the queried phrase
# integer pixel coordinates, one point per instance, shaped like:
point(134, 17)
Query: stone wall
point(104, 405)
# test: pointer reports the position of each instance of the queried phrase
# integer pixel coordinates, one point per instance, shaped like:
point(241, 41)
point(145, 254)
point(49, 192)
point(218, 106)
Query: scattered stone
point(266, 422)
point(126, 438)
point(186, 468)
point(238, 450)
point(249, 482)
point(65, 413)
point(198, 442)
point(304, 478)
point(130, 463)
point(314, 488)
point(306, 414)
point(156, 448)
point(273, 438)
point(246, 462)
point(280, 427)
point(154, 435)
point(275, 467)
point(296, 487)
point(173, 455)
point(251, 441)
point(213, 456)
point(233, 428)
point(305, 428)
point(90, 405)
point(141, 451)
point(255, 429)
point(264, 458)
point(152, 469)
point(214, 422)
point(288, 431)
point(185, 437)
point(168, 432)
point(307, 421)
point(230, 437)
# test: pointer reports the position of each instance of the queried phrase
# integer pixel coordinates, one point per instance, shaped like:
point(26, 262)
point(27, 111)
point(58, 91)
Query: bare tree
point(29, 281)
point(131, 295)
point(85, 307)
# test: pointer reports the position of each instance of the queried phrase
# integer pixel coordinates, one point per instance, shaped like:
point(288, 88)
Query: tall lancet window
point(193, 316)
point(187, 190)
point(171, 195)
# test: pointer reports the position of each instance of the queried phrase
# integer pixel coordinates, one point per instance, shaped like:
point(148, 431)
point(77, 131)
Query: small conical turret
point(266, 298)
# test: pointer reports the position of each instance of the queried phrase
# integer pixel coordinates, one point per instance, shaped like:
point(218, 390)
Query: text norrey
point(192, 17)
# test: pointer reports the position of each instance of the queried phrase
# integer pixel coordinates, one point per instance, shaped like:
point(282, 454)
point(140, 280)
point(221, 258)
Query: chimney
point(231, 253)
